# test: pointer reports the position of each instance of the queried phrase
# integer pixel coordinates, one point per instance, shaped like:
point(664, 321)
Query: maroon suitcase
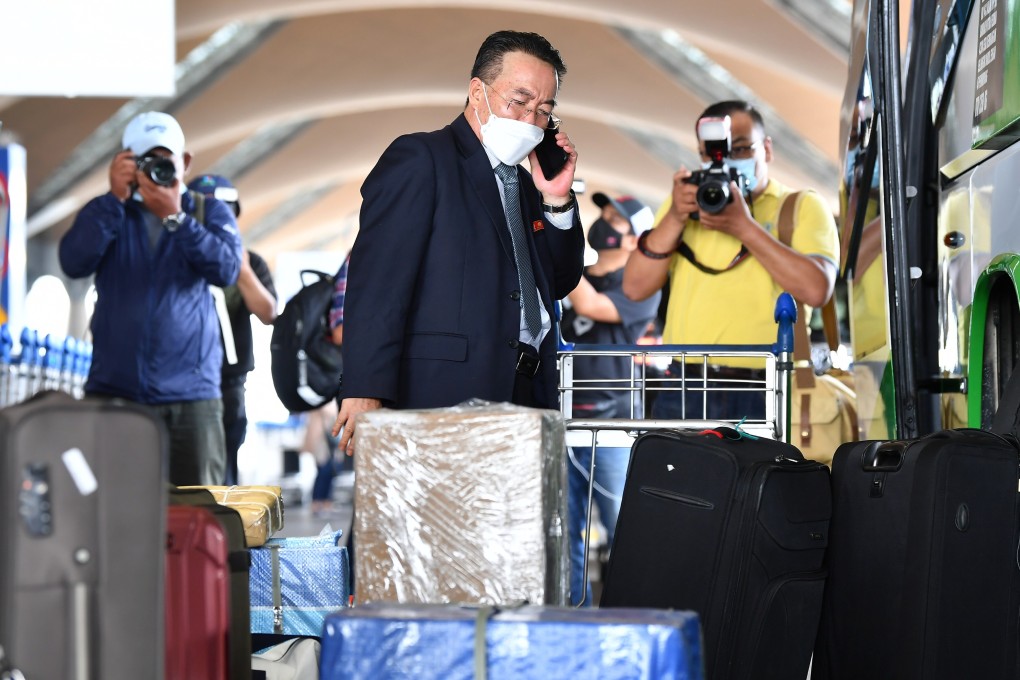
point(197, 595)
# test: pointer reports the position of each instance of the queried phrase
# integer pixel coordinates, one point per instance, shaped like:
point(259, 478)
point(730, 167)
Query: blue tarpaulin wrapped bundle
point(311, 579)
point(380, 641)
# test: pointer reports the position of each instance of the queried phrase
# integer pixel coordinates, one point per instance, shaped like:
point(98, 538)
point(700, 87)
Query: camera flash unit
point(714, 133)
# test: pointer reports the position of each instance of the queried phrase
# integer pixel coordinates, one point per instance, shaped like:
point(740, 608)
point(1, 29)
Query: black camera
point(714, 182)
point(159, 169)
point(714, 187)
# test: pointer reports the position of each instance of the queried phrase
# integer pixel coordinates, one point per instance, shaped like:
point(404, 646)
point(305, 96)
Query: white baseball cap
point(152, 129)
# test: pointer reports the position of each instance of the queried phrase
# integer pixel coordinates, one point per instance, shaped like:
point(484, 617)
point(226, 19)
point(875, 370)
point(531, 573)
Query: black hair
point(489, 60)
point(731, 106)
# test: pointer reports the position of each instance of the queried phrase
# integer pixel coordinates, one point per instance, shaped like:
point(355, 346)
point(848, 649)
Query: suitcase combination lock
point(34, 502)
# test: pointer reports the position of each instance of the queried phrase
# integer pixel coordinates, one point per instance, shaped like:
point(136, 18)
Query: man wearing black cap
point(253, 293)
point(597, 312)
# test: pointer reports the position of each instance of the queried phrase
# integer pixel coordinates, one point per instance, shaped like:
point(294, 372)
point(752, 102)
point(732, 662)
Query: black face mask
point(606, 281)
point(602, 236)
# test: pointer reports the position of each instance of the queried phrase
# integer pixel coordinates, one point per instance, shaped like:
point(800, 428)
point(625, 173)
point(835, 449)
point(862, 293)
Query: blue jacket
point(155, 333)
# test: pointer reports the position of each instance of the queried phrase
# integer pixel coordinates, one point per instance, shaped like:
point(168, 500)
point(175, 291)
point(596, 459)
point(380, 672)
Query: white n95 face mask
point(507, 139)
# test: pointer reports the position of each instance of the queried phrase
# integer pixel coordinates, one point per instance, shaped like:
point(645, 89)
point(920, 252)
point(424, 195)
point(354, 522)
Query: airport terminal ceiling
point(295, 100)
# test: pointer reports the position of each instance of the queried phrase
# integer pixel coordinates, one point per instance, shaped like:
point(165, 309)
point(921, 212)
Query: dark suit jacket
point(432, 314)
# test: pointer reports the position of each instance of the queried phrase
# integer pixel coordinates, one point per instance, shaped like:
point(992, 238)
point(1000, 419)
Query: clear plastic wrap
point(465, 504)
point(433, 642)
point(313, 579)
point(260, 507)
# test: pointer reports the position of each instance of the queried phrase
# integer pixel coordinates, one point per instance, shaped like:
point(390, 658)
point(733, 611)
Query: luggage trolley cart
point(41, 364)
point(621, 432)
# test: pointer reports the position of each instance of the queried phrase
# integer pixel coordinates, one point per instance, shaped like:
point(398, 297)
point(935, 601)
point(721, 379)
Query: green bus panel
point(997, 87)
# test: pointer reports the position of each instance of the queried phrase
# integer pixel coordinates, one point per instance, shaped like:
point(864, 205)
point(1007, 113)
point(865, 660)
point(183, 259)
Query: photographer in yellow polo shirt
point(716, 241)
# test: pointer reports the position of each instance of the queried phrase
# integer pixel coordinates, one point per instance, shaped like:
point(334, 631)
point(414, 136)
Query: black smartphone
point(551, 156)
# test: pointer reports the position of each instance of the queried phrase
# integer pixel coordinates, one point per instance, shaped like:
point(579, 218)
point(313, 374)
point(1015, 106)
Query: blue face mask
point(746, 167)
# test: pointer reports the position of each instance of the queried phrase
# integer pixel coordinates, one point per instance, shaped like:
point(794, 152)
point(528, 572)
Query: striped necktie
point(522, 254)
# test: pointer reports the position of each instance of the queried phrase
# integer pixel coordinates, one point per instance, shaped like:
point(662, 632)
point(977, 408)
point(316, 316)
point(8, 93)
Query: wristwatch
point(566, 207)
point(172, 222)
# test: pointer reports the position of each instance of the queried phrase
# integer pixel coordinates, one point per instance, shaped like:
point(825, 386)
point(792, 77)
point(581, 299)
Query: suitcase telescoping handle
point(883, 456)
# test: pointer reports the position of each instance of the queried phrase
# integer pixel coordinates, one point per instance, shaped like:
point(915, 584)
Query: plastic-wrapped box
point(296, 582)
point(388, 641)
point(465, 504)
point(260, 507)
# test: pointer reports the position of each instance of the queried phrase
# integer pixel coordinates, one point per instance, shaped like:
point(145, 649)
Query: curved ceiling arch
point(700, 22)
point(296, 100)
point(195, 18)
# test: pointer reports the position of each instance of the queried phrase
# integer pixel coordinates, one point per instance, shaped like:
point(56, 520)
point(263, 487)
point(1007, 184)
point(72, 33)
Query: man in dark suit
point(461, 254)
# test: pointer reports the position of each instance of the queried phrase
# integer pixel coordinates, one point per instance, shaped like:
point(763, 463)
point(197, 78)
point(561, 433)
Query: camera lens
point(159, 169)
point(162, 172)
point(713, 195)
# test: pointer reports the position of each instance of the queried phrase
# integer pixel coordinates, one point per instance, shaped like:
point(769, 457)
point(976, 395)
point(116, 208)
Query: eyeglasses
point(741, 152)
point(519, 110)
point(744, 151)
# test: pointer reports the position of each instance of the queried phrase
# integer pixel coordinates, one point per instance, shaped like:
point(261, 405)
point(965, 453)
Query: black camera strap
point(688, 255)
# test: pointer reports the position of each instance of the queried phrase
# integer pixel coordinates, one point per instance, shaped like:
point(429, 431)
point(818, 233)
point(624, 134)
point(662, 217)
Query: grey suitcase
point(82, 534)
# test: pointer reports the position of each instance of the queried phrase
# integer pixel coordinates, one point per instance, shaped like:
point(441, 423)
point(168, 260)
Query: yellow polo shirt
point(737, 307)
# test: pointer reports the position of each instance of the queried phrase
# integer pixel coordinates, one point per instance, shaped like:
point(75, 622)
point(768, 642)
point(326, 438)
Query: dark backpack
point(306, 364)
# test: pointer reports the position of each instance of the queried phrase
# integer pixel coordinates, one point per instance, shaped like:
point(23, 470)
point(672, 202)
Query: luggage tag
point(80, 471)
point(734, 433)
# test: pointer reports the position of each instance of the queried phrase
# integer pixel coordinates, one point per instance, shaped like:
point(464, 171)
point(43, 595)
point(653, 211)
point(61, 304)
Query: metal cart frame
point(621, 432)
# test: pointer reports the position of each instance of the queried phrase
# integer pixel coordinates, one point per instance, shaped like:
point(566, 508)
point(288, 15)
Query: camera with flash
point(714, 182)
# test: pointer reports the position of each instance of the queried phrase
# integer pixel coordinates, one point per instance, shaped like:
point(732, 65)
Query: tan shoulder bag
point(823, 408)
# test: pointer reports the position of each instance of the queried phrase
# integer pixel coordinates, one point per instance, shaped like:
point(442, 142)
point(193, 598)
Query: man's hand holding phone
point(553, 163)
point(551, 156)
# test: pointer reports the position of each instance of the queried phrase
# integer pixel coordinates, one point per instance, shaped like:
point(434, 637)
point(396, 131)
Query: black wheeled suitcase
point(923, 579)
point(81, 539)
point(735, 529)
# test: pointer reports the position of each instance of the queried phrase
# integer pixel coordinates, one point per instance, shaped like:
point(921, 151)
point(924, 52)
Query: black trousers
point(524, 382)
point(235, 424)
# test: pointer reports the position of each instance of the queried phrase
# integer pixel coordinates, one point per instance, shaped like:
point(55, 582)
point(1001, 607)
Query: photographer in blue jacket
point(155, 331)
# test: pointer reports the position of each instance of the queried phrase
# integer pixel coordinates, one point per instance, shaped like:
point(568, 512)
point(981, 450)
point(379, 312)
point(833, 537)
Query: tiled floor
point(264, 460)
point(301, 521)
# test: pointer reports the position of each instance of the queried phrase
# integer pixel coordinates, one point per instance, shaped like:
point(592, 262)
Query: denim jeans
point(722, 405)
point(322, 488)
point(610, 474)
